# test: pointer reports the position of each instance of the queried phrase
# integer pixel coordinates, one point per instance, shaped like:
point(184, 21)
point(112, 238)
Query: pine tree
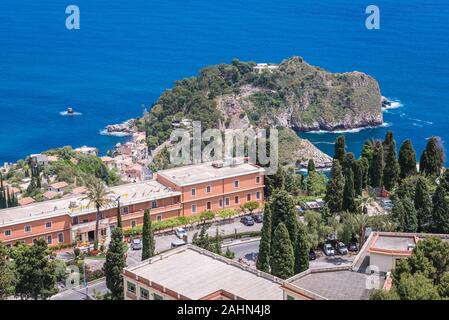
point(283, 210)
point(349, 193)
point(301, 251)
point(423, 205)
point(334, 189)
point(440, 212)
point(377, 167)
point(340, 148)
point(407, 159)
point(263, 258)
point(282, 260)
point(115, 262)
point(391, 168)
point(148, 245)
point(36, 273)
point(311, 166)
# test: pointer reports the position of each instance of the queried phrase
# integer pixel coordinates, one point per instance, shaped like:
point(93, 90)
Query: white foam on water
point(354, 130)
point(65, 113)
point(104, 132)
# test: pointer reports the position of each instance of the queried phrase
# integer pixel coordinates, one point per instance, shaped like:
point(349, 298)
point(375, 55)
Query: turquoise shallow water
point(127, 53)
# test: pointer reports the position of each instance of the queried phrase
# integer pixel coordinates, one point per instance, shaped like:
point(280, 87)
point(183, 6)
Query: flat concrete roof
point(336, 284)
point(193, 174)
point(196, 273)
point(75, 205)
point(393, 242)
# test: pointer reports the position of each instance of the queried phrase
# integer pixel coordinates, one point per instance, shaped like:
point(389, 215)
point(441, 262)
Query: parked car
point(136, 244)
point(178, 243)
point(341, 248)
point(353, 247)
point(312, 255)
point(258, 218)
point(328, 250)
point(247, 221)
point(180, 233)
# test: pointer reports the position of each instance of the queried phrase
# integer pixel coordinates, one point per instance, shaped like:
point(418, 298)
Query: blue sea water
point(127, 52)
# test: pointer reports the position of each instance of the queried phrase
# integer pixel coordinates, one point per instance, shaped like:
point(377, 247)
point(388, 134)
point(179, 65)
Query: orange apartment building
point(175, 192)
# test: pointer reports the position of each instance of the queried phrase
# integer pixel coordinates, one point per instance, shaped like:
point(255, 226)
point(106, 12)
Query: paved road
point(80, 293)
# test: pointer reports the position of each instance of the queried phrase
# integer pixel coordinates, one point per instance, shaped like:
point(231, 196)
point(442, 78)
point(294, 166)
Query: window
point(236, 184)
point(61, 237)
point(103, 232)
point(144, 294)
point(131, 287)
point(85, 220)
point(208, 189)
point(227, 200)
point(236, 200)
point(125, 210)
point(257, 179)
point(49, 239)
point(290, 297)
point(153, 204)
point(28, 228)
point(75, 220)
point(193, 208)
point(248, 197)
point(220, 203)
point(34, 241)
point(8, 233)
point(193, 192)
point(257, 195)
point(208, 205)
point(133, 224)
point(48, 225)
point(159, 217)
point(157, 297)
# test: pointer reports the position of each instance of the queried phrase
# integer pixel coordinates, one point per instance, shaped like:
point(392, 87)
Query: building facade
point(171, 193)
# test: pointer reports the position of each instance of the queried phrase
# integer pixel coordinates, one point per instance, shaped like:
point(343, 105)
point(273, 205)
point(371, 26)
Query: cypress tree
point(410, 217)
point(334, 189)
point(282, 259)
point(440, 212)
point(283, 210)
point(301, 251)
point(263, 258)
point(311, 166)
point(348, 163)
point(217, 242)
point(147, 236)
point(391, 168)
point(432, 157)
point(349, 193)
point(407, 159)
point(358, 170)
point(377, 167)
point(423, 205)
point(340, 148)
point(444, 181)
point(119, 216)
point(115, 262)
point(398, 213)
point(365, 164)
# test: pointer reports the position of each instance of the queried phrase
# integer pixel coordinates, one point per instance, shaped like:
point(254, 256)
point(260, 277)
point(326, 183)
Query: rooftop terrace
point(206, 172)
point(76, 205)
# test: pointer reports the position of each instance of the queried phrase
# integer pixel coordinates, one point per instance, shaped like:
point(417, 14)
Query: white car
point(180, 233)
point(328, 250)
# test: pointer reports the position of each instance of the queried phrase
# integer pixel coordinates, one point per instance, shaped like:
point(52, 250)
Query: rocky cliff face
point(306, 98)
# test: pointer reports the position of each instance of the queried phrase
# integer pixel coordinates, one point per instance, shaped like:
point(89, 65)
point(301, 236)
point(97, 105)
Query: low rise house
point(109, 162)
point(314, 205)
point(48, 195)
point(87, 150)
point(79, 190)
point(260, 67)
point(25, 201)
point(59, 187)
point(39, 159)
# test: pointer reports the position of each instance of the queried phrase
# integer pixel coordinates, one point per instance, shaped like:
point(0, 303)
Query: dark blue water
point(127, 52)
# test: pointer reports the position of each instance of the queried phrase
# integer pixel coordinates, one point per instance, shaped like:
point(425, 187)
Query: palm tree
point(100, 197)
point(362, 221)
point(363, 202)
